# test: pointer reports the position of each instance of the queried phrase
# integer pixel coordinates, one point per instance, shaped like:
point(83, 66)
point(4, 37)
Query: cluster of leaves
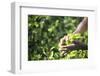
point(77, 37)
point(44, 33)
point(72, 37)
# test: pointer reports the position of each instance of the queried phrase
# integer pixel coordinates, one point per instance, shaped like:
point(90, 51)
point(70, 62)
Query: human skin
point(82, 27)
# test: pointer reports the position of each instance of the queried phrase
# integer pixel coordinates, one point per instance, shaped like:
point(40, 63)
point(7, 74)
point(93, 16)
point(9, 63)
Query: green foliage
point(44, 33)
point(72, 37)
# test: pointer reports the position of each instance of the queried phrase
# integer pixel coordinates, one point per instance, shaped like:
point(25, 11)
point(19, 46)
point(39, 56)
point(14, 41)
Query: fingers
point(63, 40)
point(66, 37)
point(68, 47)
point(62, 43)
point(62, 49)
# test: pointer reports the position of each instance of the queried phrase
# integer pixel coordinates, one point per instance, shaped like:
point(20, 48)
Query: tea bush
point(44, 33)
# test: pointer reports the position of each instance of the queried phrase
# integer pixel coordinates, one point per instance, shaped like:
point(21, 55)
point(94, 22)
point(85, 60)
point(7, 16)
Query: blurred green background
point(44, 33)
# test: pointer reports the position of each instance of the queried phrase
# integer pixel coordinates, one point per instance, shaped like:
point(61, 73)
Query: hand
point(76, 45)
